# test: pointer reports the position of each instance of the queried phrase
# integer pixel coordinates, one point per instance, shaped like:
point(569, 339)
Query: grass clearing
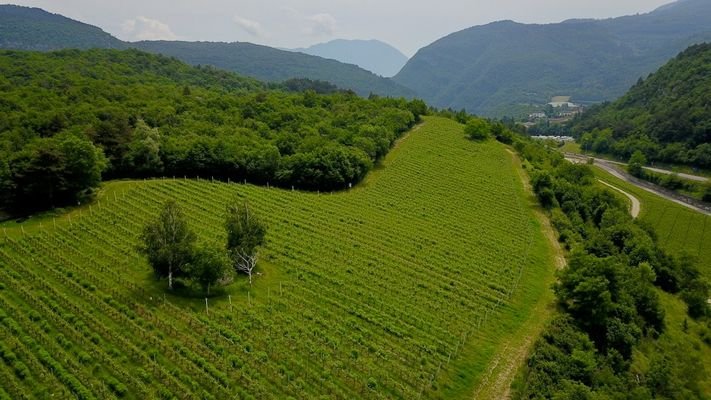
point(407, 286)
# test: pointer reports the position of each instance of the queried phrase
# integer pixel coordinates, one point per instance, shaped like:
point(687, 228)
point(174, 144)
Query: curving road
point(690, 177)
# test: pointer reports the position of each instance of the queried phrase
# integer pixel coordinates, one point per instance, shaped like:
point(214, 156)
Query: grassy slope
point(685, 342)
point(409, 285)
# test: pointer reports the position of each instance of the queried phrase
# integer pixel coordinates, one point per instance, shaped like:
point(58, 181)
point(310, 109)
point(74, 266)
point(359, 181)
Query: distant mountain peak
point(370, 54)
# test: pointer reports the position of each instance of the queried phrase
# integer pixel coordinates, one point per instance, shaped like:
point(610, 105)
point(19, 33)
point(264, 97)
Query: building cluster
point(559, 110)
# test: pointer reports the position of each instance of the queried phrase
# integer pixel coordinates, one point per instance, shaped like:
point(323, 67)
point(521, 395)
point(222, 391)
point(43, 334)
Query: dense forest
point(68, 118)
point(608, 297)
point(666, 116)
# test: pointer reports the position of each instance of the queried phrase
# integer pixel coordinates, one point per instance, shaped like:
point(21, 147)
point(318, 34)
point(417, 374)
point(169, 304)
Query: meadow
point(404, 287)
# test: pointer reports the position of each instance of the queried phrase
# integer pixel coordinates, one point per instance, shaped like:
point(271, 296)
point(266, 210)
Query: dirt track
point(636, 205)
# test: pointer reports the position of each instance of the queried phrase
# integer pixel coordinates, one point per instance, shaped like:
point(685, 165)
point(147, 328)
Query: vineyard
point(404, 287)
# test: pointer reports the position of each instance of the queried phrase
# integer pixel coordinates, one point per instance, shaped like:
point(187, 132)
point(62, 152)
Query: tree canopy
point(168, 243)
point(153, 116)
point(245, 233)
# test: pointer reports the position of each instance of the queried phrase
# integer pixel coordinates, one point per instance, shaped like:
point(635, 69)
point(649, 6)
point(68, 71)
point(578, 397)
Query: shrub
point(477, 129)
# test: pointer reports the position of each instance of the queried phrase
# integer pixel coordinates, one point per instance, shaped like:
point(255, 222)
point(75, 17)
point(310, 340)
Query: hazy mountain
point(372, 55)
point(23, 28)
point(271, 64)
point(494, 68)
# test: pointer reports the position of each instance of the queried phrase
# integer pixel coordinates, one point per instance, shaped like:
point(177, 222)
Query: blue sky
point(406, 24)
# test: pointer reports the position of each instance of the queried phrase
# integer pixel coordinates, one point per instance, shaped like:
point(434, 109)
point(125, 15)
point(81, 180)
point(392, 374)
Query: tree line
point(607, 296)
point(139, 115)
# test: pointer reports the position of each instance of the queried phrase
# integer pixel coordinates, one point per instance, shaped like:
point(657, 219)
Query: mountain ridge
point(31, 28)
point(498, 67)
point(17, 22)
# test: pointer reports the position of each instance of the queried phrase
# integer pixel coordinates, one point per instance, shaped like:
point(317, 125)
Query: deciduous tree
point(168, 243)
point(245, 233)
point(208, 266)
point(477, 129)
point(637, 163)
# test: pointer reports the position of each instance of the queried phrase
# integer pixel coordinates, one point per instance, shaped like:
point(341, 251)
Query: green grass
point(571, 147)
point(681, 230)
point(683, 341)
point(404, 287)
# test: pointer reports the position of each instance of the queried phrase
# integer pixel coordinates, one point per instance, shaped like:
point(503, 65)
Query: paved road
point(613, 169)
point(690, 177)
point(636, 205)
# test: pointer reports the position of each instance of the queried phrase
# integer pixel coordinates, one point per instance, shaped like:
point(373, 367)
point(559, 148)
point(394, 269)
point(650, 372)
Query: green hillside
point(67, 117)
point(666, 116)
point(498, 68)
point(23, 28)
point(402, 288)
point(272, 65)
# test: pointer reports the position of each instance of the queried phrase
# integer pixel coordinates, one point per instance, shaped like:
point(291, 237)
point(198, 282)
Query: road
point(612, 169)
point(682, 175)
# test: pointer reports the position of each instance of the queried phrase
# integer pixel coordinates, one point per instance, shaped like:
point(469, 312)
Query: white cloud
point(142, 28)
point(254, 28)
point(321, 25)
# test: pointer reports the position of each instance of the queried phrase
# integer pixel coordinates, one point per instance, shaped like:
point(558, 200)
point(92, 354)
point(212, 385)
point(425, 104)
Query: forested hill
point(71, 117)
point(667, 116)
point(496, 68)
point(23, 28)
point(269, 64)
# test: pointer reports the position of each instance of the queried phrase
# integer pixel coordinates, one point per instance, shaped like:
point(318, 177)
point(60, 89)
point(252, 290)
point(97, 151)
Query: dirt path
point(514, 352)
point(636, 205)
